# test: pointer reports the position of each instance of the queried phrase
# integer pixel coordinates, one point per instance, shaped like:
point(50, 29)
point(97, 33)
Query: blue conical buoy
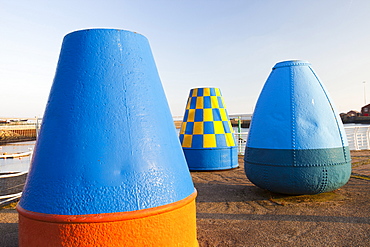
point(296, 142)
point(206, 133)
point(108, 169)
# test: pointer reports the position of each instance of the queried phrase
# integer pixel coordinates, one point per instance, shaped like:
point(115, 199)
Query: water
point(20, 164)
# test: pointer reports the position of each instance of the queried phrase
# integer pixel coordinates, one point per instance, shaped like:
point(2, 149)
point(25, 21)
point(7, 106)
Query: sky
point(232, 45)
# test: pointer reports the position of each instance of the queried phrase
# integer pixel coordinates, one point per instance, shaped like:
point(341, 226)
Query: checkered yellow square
point(230, 141)
point(195, 92)
point(207, 115)
point(199, 104)
point(219, 127)
point(191, 115)
point(198, 128)
point(223, 114)
point(186, 143)
point(206, 92)
point(214, 102)
point(183, 127)
point(209, 141)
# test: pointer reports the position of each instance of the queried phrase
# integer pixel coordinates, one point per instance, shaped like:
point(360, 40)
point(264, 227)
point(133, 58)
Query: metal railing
point(241, 140)
point(358, 138)
point(13, 196)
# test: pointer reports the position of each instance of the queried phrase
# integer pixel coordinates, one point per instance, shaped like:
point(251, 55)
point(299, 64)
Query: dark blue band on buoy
point(212, 158)
point(298, 180)
point(302, 157)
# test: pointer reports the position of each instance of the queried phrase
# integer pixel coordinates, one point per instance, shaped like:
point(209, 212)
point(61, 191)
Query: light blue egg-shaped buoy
point(296, 143)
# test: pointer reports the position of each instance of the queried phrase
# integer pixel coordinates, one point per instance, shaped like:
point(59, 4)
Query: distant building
point(354, 113)
point(365, 111)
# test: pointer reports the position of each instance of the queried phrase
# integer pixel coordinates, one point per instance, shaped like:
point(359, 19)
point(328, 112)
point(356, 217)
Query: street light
point(364, 82)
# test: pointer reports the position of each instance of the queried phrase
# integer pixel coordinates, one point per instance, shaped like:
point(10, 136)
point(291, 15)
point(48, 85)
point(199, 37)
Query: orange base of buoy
point(169, 225)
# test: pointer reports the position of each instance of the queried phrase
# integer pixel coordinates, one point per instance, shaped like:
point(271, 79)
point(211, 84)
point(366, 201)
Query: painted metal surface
point(107, 146)
point(107, 143)
point(296, 143)
point(169, 225)
point(206, 133)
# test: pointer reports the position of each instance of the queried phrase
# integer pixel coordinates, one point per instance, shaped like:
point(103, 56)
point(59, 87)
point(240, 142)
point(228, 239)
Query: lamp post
point(364, 82)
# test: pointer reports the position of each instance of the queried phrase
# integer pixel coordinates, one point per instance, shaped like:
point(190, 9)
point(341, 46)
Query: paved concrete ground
point(8, 227)
point(231, 211)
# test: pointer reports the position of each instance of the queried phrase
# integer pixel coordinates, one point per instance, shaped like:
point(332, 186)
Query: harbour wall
point(16, 133)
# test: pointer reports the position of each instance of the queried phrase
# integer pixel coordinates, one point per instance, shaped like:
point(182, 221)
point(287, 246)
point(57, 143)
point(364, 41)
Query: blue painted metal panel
point(296, 142)
point(212, 159)
point(107, 143)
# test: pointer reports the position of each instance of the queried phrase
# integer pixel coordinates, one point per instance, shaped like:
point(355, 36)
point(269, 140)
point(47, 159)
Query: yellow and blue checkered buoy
point(206, 134)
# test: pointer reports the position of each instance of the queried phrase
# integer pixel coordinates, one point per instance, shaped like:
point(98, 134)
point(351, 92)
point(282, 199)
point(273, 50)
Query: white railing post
point(355, 141)
point(358, 137)
point(241, 140)
point(367, 138)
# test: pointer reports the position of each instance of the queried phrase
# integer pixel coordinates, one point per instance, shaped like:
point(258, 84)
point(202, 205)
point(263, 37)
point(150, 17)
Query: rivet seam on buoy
point(332, 110)
point(292, 103)
point(290, 165)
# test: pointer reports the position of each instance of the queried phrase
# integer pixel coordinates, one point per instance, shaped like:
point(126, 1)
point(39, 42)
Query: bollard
point(206, 134)
point(296, 143)
point(108, 169)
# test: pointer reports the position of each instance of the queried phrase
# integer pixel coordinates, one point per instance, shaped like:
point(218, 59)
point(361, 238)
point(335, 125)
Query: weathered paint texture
point(296, 143)
point(206, 133)
point(107, 143)
point(169, 225)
